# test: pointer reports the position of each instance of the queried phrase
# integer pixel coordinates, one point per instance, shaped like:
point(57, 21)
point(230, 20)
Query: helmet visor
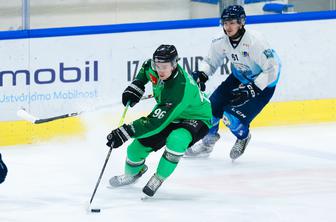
point(161, 66)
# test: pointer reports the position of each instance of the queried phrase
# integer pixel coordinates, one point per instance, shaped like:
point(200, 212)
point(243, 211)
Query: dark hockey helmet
point(166, 53)
point(233, 12)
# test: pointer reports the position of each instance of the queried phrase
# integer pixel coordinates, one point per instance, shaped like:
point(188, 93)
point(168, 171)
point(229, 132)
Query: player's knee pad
point(179, 140)
point(239, 129)
point(137, 152)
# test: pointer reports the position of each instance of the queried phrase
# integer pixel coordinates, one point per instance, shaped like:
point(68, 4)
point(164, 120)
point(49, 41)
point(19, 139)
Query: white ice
point(286, 174)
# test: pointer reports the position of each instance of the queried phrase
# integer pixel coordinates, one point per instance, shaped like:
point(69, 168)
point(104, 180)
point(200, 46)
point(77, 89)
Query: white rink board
point(307, 50)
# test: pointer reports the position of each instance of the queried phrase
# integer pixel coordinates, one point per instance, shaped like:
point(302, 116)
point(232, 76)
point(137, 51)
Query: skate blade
point(146, 198)
point(201, 156)
point(125, 187)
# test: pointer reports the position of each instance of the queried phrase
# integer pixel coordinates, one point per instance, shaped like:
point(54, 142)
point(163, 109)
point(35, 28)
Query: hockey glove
point(119, 136)
point(3, 170)
point(200, 77)
point(244, 93)
point(133, 93)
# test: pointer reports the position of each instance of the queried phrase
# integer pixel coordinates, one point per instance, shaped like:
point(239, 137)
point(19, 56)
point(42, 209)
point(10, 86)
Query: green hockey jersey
point(178, 98)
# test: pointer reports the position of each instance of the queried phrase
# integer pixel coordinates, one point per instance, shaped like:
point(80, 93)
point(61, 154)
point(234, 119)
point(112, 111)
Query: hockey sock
point(239, 129)
point(136, 155)
point(241, 132)
point(177, 143)
point(215, 125)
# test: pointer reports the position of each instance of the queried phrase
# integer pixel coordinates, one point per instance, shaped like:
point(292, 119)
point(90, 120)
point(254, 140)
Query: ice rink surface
point(287, 174)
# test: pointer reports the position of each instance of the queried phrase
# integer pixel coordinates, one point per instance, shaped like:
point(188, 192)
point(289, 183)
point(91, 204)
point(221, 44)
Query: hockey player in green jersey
point(180, 118)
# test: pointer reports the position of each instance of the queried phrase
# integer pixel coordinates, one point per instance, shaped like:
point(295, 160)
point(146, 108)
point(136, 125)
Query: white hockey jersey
point(252, 60)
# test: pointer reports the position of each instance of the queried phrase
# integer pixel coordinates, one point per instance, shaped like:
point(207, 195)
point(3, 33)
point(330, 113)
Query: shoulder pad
point(147, 62)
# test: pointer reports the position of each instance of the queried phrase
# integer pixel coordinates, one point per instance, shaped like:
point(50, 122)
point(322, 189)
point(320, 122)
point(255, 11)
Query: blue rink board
point(163, 25)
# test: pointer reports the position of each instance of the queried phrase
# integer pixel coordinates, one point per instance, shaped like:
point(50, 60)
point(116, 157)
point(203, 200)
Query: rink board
point(23, 132)
point(48, 73)
point(274, 114)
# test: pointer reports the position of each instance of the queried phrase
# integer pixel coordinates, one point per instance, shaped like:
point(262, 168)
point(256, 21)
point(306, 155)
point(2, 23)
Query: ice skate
point(152, 186)
point(204, 148)
point(239, 147)
point(124, 179)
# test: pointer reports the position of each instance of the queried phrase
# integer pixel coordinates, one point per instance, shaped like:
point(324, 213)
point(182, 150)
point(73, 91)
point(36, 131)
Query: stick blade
point(89, 209)
point(23, 114)
point(95, 210)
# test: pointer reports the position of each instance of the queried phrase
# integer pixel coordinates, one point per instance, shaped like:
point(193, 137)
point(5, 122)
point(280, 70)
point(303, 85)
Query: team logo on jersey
point(217, 39)
point(169, 105)
point(245, 54)
point(268, 53)
point(242, 68)
point(153, 79)
point(193, 123)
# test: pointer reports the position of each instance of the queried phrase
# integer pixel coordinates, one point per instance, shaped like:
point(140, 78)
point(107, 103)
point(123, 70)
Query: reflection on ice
point(286, 174)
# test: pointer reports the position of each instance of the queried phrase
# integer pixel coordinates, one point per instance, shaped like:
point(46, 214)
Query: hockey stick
point(22, 113)
point(96, 210)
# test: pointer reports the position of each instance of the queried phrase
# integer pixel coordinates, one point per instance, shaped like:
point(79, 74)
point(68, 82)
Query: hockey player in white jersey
point(240, 98)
